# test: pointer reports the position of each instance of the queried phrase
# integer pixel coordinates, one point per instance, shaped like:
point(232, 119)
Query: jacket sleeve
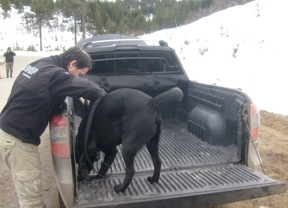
point(65, 84)
point(5, 54)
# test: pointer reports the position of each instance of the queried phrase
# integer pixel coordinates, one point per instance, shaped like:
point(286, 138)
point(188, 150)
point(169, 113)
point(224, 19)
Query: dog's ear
point(91, 152)
point(91, 147)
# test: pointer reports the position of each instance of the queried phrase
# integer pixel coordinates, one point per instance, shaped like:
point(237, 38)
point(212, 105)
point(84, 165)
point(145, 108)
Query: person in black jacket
point(40, 88)
point(9, 59)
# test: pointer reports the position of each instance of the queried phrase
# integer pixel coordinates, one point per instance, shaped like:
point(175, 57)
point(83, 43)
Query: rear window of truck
point(134, 62)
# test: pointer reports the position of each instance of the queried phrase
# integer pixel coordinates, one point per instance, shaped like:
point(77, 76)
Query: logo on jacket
point(29, 70)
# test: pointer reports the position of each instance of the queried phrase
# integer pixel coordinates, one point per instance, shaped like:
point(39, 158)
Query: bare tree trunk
point(83, 18)
point(75, 30)
point(40, 34)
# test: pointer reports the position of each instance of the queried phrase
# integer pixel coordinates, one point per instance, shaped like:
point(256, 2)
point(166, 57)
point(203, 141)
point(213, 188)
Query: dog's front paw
point(119, 188)
point(152, 180)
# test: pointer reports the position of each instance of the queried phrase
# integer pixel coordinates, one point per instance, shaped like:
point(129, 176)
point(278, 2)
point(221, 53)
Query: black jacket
point(9, 56)
point(41, 87)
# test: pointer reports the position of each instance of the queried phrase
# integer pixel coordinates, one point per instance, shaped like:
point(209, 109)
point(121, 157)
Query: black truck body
point(206, 146)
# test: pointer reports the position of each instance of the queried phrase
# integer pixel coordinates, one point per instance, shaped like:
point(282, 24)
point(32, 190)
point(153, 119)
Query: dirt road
point(273, 149)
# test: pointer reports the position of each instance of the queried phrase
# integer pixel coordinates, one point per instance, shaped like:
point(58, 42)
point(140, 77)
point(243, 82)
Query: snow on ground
point(207, 50)
point(235, 48)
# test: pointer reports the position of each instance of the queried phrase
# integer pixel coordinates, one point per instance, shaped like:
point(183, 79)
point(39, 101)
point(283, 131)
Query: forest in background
point(128, 17)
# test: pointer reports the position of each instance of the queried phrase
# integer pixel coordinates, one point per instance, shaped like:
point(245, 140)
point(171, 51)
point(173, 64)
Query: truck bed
point(191, 171)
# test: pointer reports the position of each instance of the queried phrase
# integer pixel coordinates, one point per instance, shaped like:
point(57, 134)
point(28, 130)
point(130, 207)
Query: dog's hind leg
point(129, 152)
point(153, 148)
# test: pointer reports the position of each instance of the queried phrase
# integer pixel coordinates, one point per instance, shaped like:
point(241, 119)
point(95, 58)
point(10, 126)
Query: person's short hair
point(9, 48)
point(83, 59)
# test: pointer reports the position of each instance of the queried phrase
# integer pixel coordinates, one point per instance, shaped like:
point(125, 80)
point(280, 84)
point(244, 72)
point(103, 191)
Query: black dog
point(125, 116)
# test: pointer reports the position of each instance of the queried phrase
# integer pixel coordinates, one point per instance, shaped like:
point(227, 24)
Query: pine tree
point(17, 4)
point(40, 16)
point(5, 5)
point(124, 27)
point(110, 27)
point(99, 21)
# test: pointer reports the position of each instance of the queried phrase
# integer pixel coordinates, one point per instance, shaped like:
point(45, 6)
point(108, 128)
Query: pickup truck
point(208, 147)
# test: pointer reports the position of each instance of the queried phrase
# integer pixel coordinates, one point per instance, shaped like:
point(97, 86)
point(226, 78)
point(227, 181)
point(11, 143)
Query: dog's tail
point(174, 94)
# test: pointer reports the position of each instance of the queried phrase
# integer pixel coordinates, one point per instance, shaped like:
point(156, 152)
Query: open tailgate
point(182, 188)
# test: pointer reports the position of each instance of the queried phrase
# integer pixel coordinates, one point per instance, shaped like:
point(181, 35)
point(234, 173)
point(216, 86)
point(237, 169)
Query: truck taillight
point(255, 122)
point(59, 134)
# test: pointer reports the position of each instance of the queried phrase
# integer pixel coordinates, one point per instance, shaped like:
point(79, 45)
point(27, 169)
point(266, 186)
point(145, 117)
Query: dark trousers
point(9, 68)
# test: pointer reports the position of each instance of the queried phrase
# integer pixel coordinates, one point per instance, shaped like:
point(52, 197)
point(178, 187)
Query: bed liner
point(191, 170)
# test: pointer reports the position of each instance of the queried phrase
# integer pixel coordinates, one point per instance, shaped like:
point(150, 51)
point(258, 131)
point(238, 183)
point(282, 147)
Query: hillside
point(217, 5)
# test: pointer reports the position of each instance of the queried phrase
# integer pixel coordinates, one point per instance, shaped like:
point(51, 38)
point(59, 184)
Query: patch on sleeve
point(29, 70)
